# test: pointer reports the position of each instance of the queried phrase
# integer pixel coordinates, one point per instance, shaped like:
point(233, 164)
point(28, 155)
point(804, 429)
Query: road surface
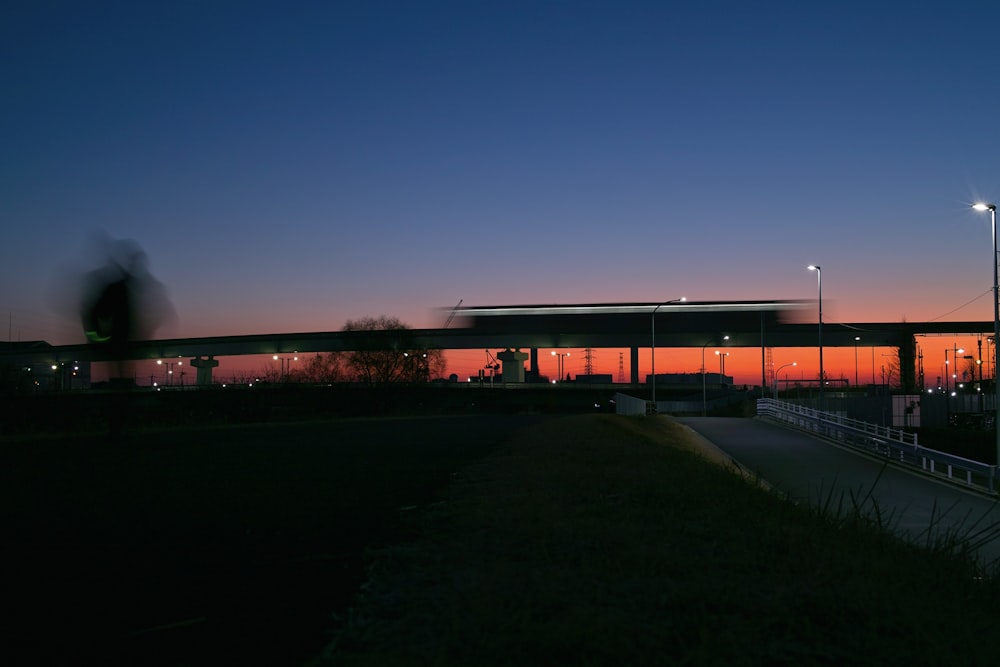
point(812, 470)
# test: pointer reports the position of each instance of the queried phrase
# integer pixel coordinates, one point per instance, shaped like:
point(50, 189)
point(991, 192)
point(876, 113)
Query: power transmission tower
point(621, 367)
point(588, 358)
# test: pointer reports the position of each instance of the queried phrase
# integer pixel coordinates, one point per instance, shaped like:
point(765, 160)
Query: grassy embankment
point(601, 540)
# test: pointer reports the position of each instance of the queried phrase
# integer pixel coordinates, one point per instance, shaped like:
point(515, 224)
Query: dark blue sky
point(288, 166)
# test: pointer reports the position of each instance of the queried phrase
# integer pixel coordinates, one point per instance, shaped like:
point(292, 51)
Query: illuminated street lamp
point(794, 363)
point(722, 366)
point(286, 365)
point(856, 339)
point(980, 206)
point(652, 341)
point(819, 282)
point(704, 393)
point(560, 364)
point(949, 374)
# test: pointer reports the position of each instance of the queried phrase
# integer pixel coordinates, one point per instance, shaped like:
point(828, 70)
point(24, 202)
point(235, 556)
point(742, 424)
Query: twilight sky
point(289, 166)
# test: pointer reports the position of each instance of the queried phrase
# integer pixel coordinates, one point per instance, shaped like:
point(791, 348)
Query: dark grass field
point(226, 545)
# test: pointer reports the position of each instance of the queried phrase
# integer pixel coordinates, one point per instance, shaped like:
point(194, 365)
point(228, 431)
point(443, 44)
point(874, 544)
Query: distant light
point(981, 206)
point(813, 267)
point(159, 362)
point(54, 367)
point(275, 357)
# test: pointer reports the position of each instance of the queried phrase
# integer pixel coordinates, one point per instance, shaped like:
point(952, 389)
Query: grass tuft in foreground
point(599, 540)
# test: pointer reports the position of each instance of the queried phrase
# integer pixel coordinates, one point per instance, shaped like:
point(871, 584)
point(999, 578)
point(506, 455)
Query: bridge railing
point(892, 443)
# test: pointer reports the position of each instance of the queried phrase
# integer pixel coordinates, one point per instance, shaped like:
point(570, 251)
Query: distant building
point(689, 380)
point(594, 378)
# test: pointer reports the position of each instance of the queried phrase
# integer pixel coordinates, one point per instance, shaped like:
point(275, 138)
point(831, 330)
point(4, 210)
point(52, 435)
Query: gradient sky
point(290, 166)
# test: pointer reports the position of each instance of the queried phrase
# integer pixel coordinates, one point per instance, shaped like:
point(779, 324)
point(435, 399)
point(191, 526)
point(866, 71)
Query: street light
point(704, 394)
point(794, 363)
point(652, 341)
point(948, 374)
point(168, 376)
point(980, 206)
point(856, 339)
point(722, 366)
point(560, 364)
point(286, 365)
point(819, 282)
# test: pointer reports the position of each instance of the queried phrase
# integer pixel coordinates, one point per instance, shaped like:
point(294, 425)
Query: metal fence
point(892, 443)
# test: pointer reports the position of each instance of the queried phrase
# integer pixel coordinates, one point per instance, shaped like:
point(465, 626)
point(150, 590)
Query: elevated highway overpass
point(749, 324)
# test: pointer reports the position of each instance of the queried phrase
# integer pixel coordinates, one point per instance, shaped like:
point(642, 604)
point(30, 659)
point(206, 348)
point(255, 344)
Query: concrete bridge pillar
point(513, 364)
point(634, 365)
point(907, 366)
point(204, 367)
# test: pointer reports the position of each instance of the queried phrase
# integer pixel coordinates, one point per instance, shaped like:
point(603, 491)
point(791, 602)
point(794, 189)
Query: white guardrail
point(892, 443)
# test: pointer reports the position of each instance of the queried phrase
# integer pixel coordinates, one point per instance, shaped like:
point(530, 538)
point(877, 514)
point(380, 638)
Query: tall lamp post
point(996, 314)
point(652, 340)
point(722, 366)
point(856, 339)
point(704, 392)
point(948, 374)
point(776, 380)
point(286, 365)
point(819, 282)
point(560, 364)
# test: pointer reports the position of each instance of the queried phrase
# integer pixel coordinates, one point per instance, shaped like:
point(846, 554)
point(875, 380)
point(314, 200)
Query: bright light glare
point(980, 206)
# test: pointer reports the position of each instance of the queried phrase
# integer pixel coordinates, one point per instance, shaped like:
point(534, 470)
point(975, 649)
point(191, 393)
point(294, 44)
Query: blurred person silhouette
point(120, 303)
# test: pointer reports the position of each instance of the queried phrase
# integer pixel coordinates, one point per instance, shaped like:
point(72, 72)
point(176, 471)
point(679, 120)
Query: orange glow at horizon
point(843, 366)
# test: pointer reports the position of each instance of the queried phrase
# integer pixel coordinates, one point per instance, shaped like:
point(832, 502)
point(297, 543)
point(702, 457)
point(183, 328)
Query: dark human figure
point(121, 303)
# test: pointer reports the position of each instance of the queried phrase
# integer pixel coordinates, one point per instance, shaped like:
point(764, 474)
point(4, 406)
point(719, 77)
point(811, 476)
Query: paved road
point(817, 472)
